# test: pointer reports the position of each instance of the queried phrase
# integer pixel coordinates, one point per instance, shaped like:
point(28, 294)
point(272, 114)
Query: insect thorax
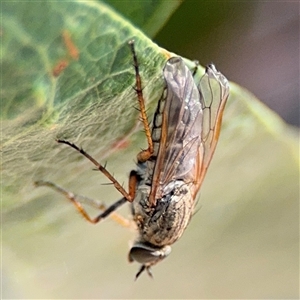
point(163, 224)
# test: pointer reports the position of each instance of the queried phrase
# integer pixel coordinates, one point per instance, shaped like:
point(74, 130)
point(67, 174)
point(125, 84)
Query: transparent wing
point(181, 128)
point(214, 91)
point(191, 125)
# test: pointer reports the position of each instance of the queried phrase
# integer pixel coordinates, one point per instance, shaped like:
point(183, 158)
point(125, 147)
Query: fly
point(163, 188)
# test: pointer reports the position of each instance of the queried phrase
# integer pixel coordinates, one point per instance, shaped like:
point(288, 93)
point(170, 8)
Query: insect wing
point(214, 91)
point(181, 129)
point(191, 126)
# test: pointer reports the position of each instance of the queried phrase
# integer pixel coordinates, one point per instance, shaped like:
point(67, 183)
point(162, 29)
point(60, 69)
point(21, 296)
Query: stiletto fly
point(163, 188)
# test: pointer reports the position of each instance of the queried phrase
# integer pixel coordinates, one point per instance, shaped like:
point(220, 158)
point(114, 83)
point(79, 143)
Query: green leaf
point(91, 98)
point(247, 227)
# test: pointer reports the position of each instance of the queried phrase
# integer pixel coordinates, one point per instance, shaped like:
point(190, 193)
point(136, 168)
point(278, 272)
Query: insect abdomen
point(165, 223)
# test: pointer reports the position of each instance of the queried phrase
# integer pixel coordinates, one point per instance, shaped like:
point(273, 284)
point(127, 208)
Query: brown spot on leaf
point(70, 45)
point(166, 53)
point(59, 67)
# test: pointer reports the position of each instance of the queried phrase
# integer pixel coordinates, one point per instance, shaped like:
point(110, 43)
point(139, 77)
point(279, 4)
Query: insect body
point(163, 188)
point(165, 195)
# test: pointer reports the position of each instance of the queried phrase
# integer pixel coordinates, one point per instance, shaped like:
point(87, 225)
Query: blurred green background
point(243, 243)
point(255, 43)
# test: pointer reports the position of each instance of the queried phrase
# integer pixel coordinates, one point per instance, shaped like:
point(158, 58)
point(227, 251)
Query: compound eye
point(147, 255)
point(142, 256)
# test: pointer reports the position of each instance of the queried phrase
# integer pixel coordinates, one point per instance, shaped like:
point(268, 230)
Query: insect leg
point(141, 270)
point(196, 62)
point(133, 180)
point(144, 155)
point(132, 184)
point(78, 200)
point(101, 168)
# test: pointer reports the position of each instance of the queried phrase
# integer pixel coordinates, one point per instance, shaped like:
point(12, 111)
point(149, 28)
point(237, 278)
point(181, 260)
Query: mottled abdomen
point(165, 223)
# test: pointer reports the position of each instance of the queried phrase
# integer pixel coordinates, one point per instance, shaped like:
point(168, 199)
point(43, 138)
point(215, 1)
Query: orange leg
point(127, 197)
point(144, 155)
point(78, 200)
